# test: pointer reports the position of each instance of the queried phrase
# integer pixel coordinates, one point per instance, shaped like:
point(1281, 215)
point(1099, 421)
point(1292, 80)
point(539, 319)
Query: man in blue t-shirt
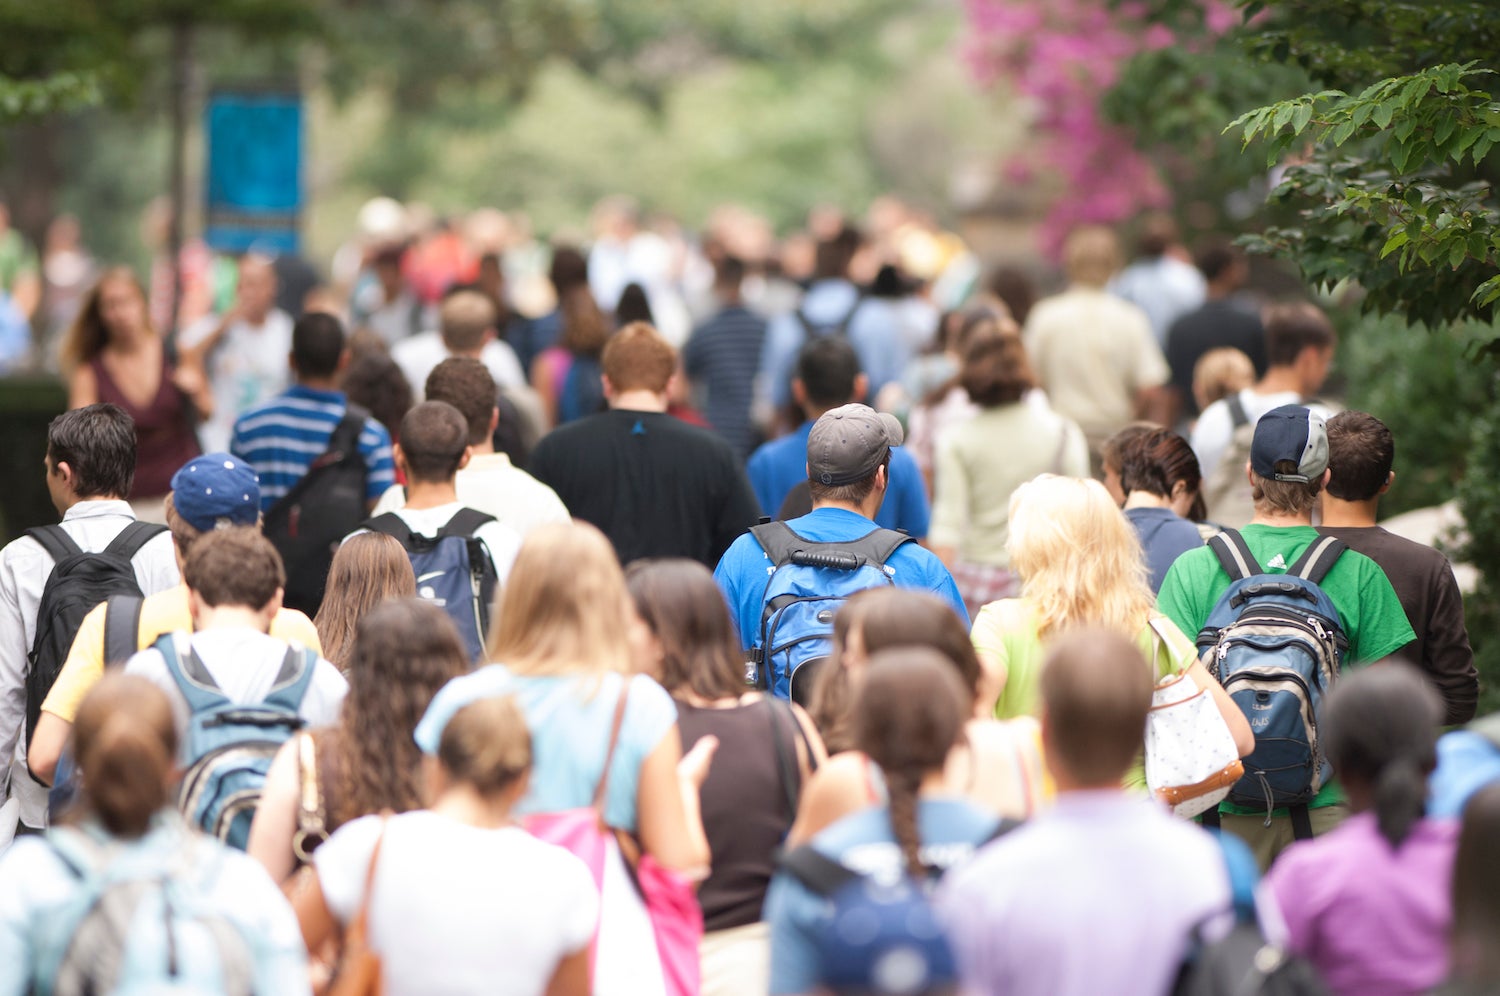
point(848, 458)
point(829, 375)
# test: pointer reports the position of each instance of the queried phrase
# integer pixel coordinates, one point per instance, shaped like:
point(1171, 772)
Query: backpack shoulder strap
point(1317, 560)
point(55, 540)
point(122, 626)
point(1237, 414)
point(1234, 555)
point(808, 329)
point(1005, 826)
point(842, 328)
point(344, 440)
point(390, 524)
point(878, 545)
point(134, 536)
point(464, 522)
point(194, 682)
point(293, 680)
point(82, 855)
point(779, 540)
point(343, 445)
point(816, 870)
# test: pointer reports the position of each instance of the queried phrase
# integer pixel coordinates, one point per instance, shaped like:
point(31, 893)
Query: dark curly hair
point(404, 651)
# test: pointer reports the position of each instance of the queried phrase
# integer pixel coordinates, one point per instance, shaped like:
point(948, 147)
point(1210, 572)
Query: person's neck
point(869, 508)
point(231, 617)
point(1221, 292)
point(639, 401)
point(1145, 499)
point(1338, 512)
point(477, 353)
point(128, 342)
point(1281, 520)
point(429, 494)
point(465, 804)
point(318, 383)
point(256, 318)
point(1280, 380)
point(485, 447)
point(72, 500)
point(1065, 782)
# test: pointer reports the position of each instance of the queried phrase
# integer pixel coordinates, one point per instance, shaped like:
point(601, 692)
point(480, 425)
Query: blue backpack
point(230, 746)
point(1274, 641)
point(879, 933)
point(453, 570)
point(140, 924)
point(808, 584)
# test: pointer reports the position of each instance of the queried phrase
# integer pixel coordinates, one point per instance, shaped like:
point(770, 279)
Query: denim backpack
point(808, 584)
point(453, 570)
point(230, 746)
point(1274, 641)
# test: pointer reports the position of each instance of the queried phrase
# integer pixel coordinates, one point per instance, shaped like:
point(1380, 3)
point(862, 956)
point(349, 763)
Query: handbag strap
point(609, 754)
point(312, 817)
point(357, 933)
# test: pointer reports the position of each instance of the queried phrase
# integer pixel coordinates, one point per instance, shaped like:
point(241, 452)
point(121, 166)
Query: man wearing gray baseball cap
point(785, 581)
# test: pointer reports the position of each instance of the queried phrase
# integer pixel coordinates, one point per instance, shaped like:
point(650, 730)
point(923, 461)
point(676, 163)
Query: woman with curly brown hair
point(403, 652)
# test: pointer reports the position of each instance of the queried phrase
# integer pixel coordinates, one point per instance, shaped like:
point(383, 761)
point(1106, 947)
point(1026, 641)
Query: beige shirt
point(981, 461)
point(491, 483)
point(1093, 352)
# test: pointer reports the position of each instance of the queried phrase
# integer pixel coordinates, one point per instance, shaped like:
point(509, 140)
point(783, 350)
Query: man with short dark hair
point(828, 377)
point(1222, 321)
point(1287, 469)
point(282, 438)
point(656, 486)
point(848, 457)
point(1361, 453)
point(489, 482)
point(90, 465)
point(1103, 890)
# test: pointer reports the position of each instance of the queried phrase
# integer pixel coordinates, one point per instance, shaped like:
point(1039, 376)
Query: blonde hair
point(1091, 255)
point(562, 610)
point(1220, 373)
point(487, 745)
point(1078, 556)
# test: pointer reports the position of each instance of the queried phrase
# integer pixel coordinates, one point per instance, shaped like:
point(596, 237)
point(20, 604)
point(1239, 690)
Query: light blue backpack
point(230, 746)
point(808, 584)
point(1274, 641)
point(140, 924)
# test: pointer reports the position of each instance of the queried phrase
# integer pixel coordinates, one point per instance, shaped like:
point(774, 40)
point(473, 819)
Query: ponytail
point(901, 789)
point(125, 739)
point(1400, 798)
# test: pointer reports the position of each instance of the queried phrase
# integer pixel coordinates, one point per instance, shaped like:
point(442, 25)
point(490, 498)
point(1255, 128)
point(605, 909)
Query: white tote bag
point(1191, 758)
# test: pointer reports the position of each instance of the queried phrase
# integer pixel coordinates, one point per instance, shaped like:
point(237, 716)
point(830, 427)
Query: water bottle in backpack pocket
point(229, 746)
point(453, 570)
point(140, 923)
point(1274, 641)
point(808, 584)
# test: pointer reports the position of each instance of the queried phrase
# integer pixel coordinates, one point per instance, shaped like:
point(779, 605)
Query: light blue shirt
point(1098, 894)
point(570, 718)
point(775, 468)
point(874, 332)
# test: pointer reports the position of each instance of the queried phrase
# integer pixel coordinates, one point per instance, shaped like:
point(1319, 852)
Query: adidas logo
point(1276, 563)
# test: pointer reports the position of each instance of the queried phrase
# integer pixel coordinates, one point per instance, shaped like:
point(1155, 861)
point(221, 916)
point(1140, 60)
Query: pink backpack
point(669, 899)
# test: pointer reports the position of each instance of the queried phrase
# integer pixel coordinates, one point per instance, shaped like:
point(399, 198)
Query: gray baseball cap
point(848, 443)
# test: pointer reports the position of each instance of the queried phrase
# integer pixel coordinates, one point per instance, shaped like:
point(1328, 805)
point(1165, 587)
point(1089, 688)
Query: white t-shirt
point(491, 483)
point(458, 909)
point(419, 355)
point(250, 364)
point(244, 663)
point(1215, 429)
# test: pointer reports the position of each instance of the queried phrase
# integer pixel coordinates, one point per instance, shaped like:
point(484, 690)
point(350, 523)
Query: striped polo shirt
point(282, 437)
point(722, 358)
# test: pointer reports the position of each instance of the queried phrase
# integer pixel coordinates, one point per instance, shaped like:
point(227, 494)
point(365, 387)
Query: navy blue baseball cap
point(215, 490)
point(1290, 433)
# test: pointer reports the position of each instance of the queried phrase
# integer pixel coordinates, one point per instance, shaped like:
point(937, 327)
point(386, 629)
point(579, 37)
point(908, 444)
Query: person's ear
point(272, 607)
point(64, 471)
point(861, 388)
point(196, 606)
point(1249, 474)
point(609, 389)
point(399, 459)
point(799, 392)
point(346, 356)
point(1390, 479)
point(1327, 476)
point(434, 779)
point(1179, 489)
point(494, 419)
point(463, 461)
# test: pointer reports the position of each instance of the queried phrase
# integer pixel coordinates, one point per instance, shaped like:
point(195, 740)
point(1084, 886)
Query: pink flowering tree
point(1062, 58)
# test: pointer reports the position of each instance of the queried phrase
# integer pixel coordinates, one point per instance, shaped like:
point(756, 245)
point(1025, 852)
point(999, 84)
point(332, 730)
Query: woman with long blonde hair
point(1080, 565)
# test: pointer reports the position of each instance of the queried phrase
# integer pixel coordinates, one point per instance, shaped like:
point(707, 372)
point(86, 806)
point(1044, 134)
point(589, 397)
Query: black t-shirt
point(656, 486)
point(1215, 325)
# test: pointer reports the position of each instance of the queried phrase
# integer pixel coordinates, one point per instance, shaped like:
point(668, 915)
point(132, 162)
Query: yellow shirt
point(164, 612)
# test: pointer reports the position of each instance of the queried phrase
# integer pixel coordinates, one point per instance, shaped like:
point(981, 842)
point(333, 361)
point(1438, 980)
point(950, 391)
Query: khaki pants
point(737, 961)
point(1268, 841)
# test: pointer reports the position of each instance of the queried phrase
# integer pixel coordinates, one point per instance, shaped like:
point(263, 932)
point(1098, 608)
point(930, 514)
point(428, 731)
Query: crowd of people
point(654, 615)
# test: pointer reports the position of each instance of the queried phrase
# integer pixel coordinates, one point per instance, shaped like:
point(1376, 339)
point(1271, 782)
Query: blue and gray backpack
point(229, 745)
point(140, 923)
point(1274, 641)
point(808, 584)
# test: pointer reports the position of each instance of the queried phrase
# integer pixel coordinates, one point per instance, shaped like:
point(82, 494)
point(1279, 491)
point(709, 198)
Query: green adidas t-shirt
point(1369, 610)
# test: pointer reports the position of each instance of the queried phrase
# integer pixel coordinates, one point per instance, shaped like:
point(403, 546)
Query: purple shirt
point(1096, 895)
point(1372, 920)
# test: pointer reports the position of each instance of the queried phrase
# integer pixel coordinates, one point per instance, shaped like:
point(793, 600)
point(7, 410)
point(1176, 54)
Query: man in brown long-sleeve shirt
point(1360, 455)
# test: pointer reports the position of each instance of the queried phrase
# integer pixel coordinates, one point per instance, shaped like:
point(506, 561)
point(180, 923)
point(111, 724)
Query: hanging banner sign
point(254, 171)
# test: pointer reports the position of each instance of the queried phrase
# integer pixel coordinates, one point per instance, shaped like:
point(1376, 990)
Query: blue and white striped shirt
point(282, 437)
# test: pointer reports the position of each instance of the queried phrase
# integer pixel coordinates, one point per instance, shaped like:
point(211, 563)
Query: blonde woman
point(1080, 565)
point(560, 640)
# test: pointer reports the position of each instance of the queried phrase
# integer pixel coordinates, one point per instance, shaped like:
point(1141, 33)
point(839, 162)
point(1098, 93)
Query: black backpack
point(453, 570)
point(78, 582)
point(310, 521)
